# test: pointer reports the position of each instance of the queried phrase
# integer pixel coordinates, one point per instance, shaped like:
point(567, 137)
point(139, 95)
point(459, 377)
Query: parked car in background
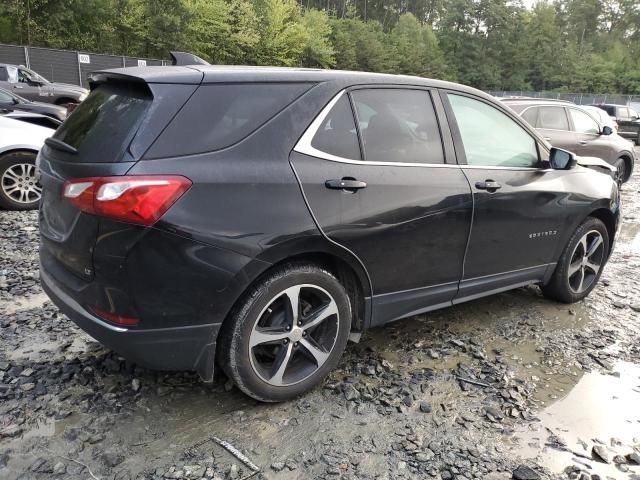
point(568, 126)
point(19, 145)
point(33, 118)
point(627, 119)
point(263, 216)
point(10, 102)
point(30, 85)
point(601, 116)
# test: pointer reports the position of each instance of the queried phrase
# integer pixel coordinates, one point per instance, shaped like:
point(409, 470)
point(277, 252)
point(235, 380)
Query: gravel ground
point(510, 386)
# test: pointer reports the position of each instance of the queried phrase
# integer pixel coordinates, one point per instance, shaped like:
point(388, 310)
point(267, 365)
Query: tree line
point(562, 45)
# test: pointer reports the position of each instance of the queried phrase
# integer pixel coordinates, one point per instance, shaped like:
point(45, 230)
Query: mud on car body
point(257, 217)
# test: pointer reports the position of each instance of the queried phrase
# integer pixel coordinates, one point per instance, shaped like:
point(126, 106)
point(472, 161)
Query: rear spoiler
point(185, 58)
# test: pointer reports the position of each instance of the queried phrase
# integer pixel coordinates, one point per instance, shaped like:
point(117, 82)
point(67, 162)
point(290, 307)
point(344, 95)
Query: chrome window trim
point(304, 146)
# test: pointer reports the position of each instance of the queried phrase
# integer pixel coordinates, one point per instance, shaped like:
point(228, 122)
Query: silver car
point(32, 86)
point(570, 127)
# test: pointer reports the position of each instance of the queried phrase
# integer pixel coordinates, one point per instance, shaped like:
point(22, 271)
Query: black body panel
point(418, 237)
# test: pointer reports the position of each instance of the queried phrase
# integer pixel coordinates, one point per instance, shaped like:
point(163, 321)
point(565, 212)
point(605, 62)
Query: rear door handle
point(346, 183)
point(582, 142)
point(488, 185)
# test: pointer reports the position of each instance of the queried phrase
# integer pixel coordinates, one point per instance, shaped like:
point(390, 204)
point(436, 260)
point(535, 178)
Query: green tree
point(318, 51)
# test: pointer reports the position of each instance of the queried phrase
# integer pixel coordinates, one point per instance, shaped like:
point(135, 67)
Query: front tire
point(19, 189)
point(287, 333)
point(581, 263)
point(621, 171)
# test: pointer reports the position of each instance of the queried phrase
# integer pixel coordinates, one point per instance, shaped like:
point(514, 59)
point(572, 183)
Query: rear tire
point(18, 187)
point(275, 352)
point(581, 263)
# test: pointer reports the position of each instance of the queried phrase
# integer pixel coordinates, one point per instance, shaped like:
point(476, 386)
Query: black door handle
point(488, 185)
point(349, 184)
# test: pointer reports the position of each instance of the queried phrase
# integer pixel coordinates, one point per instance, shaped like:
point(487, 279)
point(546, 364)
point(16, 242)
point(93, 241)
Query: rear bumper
point(179, 348)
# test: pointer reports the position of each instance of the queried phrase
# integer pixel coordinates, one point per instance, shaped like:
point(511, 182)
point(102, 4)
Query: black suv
point(261, 217)
point(627, 119)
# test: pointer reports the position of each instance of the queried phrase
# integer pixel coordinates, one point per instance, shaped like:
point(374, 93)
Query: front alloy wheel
point(586, 262)
point(287, 332)
point(581, 263)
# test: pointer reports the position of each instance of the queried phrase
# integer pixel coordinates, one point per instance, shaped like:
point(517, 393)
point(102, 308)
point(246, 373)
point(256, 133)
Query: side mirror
point(561, 159)
point(34, 83)
point(606, 130)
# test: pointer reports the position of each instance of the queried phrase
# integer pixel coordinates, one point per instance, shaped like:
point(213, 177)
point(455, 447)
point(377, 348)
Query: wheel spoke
point(320, 315)
point(583, 243)
point(280, 364)
point(574, 267)
point(267, 335)
point(293, 295)
point(579, 289)
point(594, 246)
point(592, 266)
point(312, 347)
point(11, 174)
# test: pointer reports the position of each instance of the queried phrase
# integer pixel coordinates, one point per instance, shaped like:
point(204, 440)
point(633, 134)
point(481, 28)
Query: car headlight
point(83, 95)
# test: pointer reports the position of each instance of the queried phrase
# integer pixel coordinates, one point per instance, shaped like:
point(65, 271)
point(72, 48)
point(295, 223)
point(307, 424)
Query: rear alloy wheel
point(19, 189)
point(621, 171)
point(581, 264)
point(287, 334)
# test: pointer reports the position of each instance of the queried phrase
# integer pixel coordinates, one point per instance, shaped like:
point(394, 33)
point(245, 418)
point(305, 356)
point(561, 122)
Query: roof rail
point(185, 58)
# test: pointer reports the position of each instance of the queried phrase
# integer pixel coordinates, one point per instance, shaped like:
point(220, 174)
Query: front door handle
point(582, 142)
point(346, 183)
point(488, 185)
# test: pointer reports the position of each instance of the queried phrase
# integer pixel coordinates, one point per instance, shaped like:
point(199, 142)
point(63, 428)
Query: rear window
point(220, 115)
point(103, 125)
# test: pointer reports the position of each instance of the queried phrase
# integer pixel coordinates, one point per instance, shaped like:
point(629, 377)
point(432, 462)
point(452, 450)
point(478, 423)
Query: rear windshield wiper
point(60, 145)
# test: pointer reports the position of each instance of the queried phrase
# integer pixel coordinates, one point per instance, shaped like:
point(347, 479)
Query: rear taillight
point(115, 318)
point(133, 199)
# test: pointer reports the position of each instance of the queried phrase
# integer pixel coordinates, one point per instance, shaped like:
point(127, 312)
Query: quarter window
point(337, 135)
point(398, 125)
point(490, 137)
point(552, 118)
point(583, 123)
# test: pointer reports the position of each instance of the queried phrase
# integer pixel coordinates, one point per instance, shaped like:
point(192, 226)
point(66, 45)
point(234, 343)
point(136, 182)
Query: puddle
point(600, 408)
point(629, 237)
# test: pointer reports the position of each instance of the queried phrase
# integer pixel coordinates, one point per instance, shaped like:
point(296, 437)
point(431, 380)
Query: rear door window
point(220, 115)
point(398, 125)
point(337, 135)
point(102, 126)
point(552, 118)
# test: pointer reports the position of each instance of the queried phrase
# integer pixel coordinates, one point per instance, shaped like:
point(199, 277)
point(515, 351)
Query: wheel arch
point(317, 251)
point(18, 149)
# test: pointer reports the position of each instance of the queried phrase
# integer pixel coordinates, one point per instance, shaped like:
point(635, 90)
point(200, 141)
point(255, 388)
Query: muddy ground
point(510, 386)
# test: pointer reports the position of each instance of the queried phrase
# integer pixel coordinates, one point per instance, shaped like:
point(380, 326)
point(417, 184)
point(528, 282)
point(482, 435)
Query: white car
point(19, 146)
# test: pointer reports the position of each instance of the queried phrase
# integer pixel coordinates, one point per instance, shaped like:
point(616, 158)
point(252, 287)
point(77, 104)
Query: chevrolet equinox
point(258, 218)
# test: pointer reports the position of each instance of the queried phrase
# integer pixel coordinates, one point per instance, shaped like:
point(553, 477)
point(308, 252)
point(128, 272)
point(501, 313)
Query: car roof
point(535, 101)
point(196, 74)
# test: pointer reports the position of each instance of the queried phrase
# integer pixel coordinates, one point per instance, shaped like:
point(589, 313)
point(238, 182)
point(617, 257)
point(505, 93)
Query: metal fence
point(67, 66)
point(578, 98)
